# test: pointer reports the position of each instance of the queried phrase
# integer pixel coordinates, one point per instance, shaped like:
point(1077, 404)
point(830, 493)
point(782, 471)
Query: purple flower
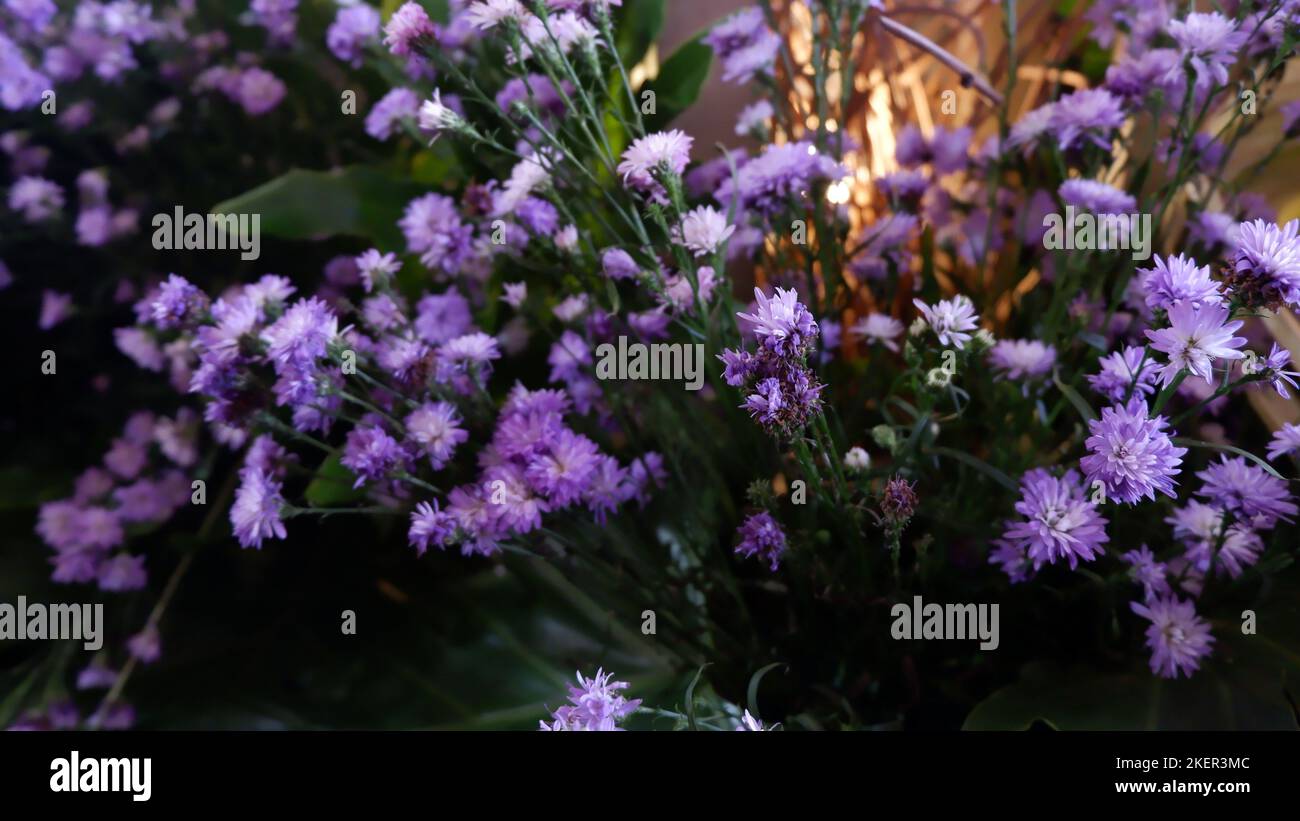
point(1178, 638)
point(782, 324)
point(760, 535)
point(1175, 280)
point(946, 150)
point(1211, 41)
point(565, 470)
point(1248, 490)
point(36, 198)
point(435, 231)
point(1012, 558)
point(1097, 197)
point(784, 404)
point(1090, 116)
point(372, 454)
point(597, 704)
point(96, 676)
point(259, 91)
point(55, 307)
point(1122, 371)
point(376, 269)
point(467, 360)
point(663, 151)
point(1147, 572)
point(898, 501)
point(352, 29)
point(122, 572)
point(441, 318)
point(1274, 368)
point(767, 183)
point(177, 302)
point(1130, 453)
point(744, 45)
point(435, 430)
point(398, 104)
point(618, 264)
point(430, 526)
point(1022, 358)
point(950, 319)
point(1286, 440)
point(301, 335)
point(146, 646)
point(1060, 522)
point(1194, 339)
point(408, 29)
point(255, 514)
point(878, 328)
point(1267, 263)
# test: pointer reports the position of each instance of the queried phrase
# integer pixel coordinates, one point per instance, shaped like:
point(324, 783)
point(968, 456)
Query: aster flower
point(1131, 454)
point(1060, 521)
point(1022, 358)
point(430, 526)
point(371, 454)
point(435, 116)
point(377, 269)
point(1175, 280)
point(122, 572)
point(177, 302)
point(1096, 197)
point(663, 151)
point(596, 704)
point(1266, 271)
point(1087, 116)
point(753, 118)
point(1147, 572)
point(302, 334)
point(397, 105)
point(1211, 41)
point(704, 230)
point(434, 230)
point(56, 306)
point(255, 515)
point(782, 323)
point(1125, 370)
point(353, 27)
point(951, 319)
point(744, 45)
point(407, 29)
point(440, 318)
point(1194, 339)
point(760, 535)
point(467, 359)
point(259, 91)
point(1286, 441)
point(1030, 127)
point(1247, 490)
point(878, 328)
point(563, 473)
point(1011, 557)
point(768, 182)
point(146, 646)
point(434, 429)
point(37, 199)
point(1178, 638)
point(1273, 368)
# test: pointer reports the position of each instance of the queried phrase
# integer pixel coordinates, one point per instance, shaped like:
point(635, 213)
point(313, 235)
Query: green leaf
point(332, 485)
point(977, 463)
point(690, 698)
point(357, 201)
point(1080, 404)
point(679, 82)
point(639, 23)
point(754, 681)
point(1197, 443)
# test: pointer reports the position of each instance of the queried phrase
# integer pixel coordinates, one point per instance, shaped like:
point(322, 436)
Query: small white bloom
point(857, 459)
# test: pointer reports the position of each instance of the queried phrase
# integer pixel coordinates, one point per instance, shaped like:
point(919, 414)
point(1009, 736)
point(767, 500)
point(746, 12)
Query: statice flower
point(1247, 490)
point(1194, 339)
point(760, 535)
point(878, 328)
point(1175, 280)
point(1088, 116)
point(1131, 454)
point(255, 515)
point(950, 319)
point(1211, 41)
point(408, 29)
point(1266, 271)
point(1022, 358)
point(1286, 440)
point(654, 154)
point(1178, 638)
point(596, 704)
point(1147, 572)
point(1123, 370)
point(1060, 521)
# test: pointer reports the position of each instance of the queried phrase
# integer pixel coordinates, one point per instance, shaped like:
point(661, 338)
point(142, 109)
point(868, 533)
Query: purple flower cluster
point(762, 536)
point(785, 393)
point(1060, 522)
point(744, 45)
point(597, 704)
